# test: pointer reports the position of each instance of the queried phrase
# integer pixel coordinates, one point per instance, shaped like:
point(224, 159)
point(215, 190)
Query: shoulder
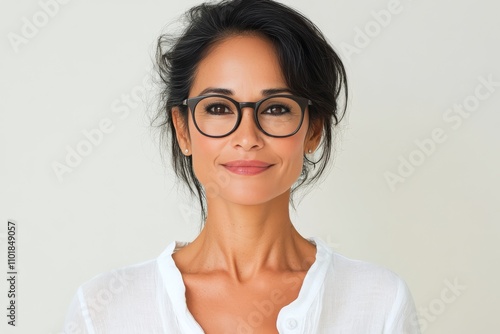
point(109, 286)
point(364, 275)
point(135, 280)
point(362, 290)
point(349, 274)
point(107, 302)
point(369, 286)
point(124, 300)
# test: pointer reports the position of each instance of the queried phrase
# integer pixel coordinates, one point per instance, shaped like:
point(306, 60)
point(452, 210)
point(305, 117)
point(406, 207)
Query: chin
point(252, 195)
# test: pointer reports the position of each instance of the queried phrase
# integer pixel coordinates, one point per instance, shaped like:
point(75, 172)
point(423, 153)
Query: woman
point(251, 92)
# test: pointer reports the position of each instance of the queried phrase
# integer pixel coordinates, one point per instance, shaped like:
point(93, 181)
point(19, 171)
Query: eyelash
point(283, 106)
point(216, 104)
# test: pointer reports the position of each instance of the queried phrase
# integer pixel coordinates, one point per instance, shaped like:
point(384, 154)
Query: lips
point(247, 167)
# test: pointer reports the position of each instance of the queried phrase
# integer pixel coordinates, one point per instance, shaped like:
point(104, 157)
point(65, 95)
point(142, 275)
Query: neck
point(245, 240)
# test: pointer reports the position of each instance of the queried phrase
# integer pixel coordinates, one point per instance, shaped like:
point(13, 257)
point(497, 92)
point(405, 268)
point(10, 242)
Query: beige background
point(118, 206)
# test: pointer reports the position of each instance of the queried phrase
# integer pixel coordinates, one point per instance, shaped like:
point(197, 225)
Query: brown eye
point(218, 109)
point(276, 110)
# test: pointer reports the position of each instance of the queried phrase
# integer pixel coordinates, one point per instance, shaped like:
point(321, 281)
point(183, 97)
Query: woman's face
point(247, 167)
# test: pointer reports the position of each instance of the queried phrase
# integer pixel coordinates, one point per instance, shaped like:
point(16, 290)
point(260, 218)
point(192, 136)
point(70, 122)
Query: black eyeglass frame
point(192, 102)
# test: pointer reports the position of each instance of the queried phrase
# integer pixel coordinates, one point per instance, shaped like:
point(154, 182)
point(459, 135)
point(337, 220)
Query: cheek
point(292, 153)
point(204, 152)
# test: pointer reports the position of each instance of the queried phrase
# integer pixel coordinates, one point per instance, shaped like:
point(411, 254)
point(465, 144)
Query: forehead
point(242, 63)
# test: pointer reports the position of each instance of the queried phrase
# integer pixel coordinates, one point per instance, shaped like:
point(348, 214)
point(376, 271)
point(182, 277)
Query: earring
point(310, 151)
point(186, 150)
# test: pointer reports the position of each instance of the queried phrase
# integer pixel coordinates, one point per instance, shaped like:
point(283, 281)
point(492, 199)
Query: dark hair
point(309, 64)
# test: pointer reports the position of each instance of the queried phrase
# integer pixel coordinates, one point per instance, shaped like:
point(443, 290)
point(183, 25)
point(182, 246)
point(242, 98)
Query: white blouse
point(338, 295)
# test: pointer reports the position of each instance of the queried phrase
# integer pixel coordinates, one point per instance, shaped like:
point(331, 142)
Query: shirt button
point(291, 323)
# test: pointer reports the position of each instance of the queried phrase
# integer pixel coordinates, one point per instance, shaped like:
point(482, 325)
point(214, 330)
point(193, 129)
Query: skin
point(248, 253)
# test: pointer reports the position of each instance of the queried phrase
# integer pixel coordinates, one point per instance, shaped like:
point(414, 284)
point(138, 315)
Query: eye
point(276, 110)
point(218, 109)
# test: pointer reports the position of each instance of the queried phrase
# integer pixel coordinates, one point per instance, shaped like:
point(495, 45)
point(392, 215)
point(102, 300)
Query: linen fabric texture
point(338, 295)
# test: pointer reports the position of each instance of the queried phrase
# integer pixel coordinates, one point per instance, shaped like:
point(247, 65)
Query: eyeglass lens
point(277, 116)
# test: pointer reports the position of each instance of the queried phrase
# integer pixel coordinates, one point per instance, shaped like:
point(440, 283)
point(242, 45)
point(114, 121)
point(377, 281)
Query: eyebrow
point(225, 91)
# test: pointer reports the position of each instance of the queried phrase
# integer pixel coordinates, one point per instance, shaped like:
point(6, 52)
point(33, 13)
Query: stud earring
point(186, 150)
point(310, 151)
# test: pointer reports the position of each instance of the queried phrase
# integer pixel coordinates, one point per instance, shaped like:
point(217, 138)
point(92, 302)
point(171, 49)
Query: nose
point(247, 135)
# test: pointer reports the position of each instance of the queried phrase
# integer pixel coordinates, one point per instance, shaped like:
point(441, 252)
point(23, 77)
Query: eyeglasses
point(218, 116)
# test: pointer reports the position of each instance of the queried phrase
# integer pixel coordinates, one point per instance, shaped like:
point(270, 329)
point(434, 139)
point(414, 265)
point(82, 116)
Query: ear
point(181, 130)
point(313, 137)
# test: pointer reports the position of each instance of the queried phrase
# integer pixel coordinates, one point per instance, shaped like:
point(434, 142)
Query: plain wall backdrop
point(414, 186)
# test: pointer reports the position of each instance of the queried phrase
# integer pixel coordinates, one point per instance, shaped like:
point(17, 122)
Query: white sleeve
point(403, 316)
point(77, 319)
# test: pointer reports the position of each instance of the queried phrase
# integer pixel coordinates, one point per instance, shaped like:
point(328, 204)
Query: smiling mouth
point(241, 167)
